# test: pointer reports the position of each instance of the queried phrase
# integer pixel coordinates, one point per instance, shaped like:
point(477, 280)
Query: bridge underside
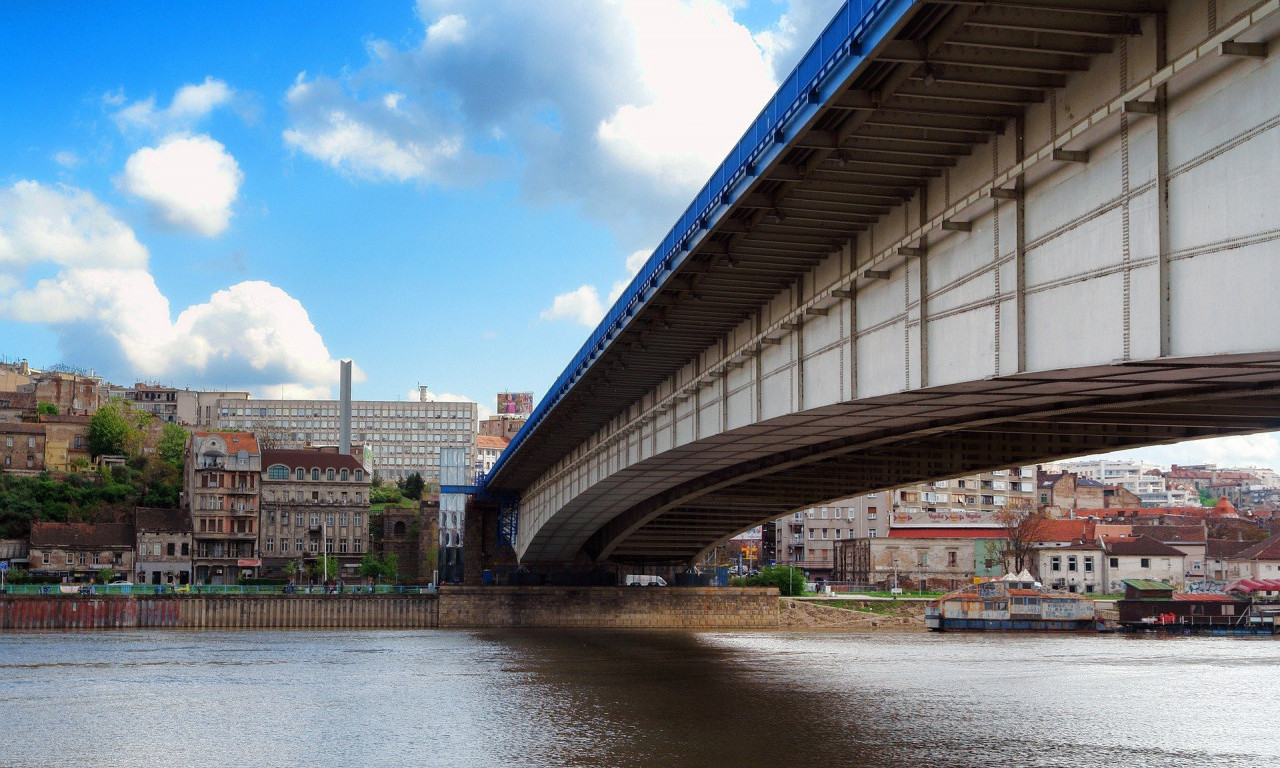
point(735, 480)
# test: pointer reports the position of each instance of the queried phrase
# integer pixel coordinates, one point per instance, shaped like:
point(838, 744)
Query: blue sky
point(236, 195)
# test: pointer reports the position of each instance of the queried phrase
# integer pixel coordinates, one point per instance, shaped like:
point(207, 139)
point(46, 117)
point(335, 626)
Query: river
point(661, 699)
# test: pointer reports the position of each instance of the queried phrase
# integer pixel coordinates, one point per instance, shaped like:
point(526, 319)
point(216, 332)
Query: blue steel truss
point(508, 523)
point(857, 26)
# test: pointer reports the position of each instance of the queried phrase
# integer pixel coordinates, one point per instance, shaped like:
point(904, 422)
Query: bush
point(788, 580)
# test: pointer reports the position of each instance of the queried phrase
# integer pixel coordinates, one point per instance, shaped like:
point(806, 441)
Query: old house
point(79, 552)
point(164, 546)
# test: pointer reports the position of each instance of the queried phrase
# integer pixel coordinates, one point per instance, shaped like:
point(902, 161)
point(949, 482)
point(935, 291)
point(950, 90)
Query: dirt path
point(897, 617)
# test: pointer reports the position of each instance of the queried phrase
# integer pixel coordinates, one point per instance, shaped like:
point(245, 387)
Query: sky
point(449, 193)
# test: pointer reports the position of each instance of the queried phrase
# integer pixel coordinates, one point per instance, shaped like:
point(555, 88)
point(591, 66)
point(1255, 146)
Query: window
point(155, 549)
point(344, 475)
point(342, 545)
point(1088, 565)
point(269, 545)
point(871, 513)
point(299, 474)
point(1055, 563)
point(328, 519)
point(342, 519)
point(297, 520)
point(297, 544)
point(951, 559)
point(1071, 563)
point(278, 472)
point(359, 519)
point(358, 545)
point(812, 531)
point(824, 533)
point(1115, 562)
point(359, 474)
point(1145, 562)
point(328, 475)
point(284, 545)
point(871, 533)
point(71, 560)
point(838, 532)
point(45, 558)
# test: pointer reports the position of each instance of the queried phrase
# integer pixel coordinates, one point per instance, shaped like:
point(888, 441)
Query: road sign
point(4, 565)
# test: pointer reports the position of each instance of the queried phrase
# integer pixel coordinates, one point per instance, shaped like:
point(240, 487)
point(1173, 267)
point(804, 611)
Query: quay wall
point(453, 607)
point(610, 607)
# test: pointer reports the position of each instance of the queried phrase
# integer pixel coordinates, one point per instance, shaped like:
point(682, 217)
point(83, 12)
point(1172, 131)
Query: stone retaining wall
point(610, 607)
point(455, 607)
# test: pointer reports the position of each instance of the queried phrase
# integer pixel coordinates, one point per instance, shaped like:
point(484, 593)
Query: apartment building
point(401, 437)
point(79, 552)
point(221, 484)
point(313, 504)
point(1139, 477)
point(811, 538)
point(164, 546)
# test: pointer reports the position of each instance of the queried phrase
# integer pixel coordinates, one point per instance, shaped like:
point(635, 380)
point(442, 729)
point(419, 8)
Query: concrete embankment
point(453, 607)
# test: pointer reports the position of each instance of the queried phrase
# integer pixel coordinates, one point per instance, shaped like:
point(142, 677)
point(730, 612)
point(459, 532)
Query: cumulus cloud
point(621, 120)
point(581, 305)
point(190, 104)
point(190, 183)
point(787, 40)
point(66, 262)
point(1260, 450)
point(66, 158)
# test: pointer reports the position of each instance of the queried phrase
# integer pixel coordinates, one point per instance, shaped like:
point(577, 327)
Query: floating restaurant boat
point(1012, 603)
point(1245, 607)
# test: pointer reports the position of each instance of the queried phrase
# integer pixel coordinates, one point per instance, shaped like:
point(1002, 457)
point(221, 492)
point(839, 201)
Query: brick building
point(21, 447)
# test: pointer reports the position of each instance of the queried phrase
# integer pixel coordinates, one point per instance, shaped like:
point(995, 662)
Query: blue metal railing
point(841, 43)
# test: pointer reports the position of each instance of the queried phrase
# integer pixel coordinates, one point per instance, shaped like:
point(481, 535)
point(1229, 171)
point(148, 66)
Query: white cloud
point(580, 306)
point(102, 302)
point(640, 101)
point(684, 127)
point(190, 104)
point(482, 410)
point(787, 40)
point(448, 30)
point(66, 158)
point(190, 182)
point(356, 140)
point(1260, 450)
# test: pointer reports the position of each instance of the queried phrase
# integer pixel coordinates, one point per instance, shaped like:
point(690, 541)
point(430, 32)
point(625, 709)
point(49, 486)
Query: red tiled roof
point(492, 442)
point(1063, 530)
point(1140, 545)
point(235, 440)
point(947, 533)
point(1172, 534)
point(1223, 548)
point(1263, 550)
point(22, 401)
point(20, 428)
point(309, 459)
point(81, 535)
point(1203, 597)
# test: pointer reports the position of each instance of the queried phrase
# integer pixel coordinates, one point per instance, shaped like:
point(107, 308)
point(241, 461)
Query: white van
point(637, 580)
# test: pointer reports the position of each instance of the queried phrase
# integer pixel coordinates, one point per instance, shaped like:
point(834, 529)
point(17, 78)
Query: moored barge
point(1012, 603)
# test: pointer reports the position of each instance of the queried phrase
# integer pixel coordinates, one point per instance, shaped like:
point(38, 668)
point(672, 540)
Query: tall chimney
point(344, 409)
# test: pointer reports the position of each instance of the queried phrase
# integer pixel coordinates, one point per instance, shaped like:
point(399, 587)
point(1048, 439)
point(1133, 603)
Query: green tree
point(413, 486)
point(384, 494)
point(788, 580)
point(105, 575)
point(173, 444)
point(291, 570)
point(380, 569)
point(108, 430)
point(323, 568)
point(47, 409)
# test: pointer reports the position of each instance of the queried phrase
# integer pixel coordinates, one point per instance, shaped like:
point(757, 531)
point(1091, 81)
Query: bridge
point(962, 235)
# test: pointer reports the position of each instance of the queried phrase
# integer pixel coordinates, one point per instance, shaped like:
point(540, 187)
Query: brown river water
point(661, 699)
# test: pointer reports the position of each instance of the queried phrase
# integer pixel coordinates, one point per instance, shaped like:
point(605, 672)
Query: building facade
point(402, 437)
point(220, 484)
point(164, 546)
point(21, 447)
point(314, 504)
point(81, 552)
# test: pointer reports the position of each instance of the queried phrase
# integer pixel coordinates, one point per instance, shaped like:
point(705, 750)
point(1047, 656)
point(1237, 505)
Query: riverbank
point(807, 613)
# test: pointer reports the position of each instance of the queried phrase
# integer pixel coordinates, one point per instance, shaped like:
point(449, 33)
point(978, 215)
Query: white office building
point(400, 437)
